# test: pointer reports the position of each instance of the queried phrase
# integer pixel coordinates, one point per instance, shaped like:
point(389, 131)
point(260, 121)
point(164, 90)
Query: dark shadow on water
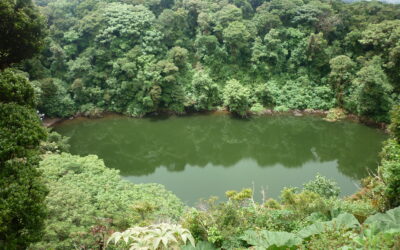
point(157, 117)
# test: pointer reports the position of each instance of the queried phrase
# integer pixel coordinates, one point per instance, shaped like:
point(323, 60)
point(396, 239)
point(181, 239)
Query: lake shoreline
point(51, 122)
point(271, 151)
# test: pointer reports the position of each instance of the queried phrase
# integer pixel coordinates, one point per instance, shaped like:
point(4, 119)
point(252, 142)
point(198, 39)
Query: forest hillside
point(137, 57)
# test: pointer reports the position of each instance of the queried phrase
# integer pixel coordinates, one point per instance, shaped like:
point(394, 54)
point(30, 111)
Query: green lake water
point(200, 156)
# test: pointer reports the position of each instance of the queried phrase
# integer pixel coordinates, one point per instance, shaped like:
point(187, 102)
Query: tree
point(205, 91)
point(265, 21)
point(206, 46)
point(316, 15)
point(236, 97)
point(286, 9)
point(236, 36)
point(15, 88)
point(172, 92)
point(21, 132)
point(54, 101)
point(342, 71)
point(316, 52)
point(383, 39)
point(123, 26)
point(179, 57)
point(22, 193)
point(275, 52)
point(373, 91)
point(174, 26)
point(228, 14)
point(21, 31)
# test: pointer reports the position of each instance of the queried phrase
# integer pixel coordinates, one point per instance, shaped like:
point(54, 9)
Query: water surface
point(205, 155)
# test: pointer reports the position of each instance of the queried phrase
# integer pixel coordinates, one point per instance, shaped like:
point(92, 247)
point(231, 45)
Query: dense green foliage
point(55, 143)
point(87, 201)
point(395, 125)
point(22, 192)
point(52, 98)
point(302, 220)
point(236, 97)
point(21, 31)
point(137, 57)
point(390, 167)
point(16, 88)
point(323, 186)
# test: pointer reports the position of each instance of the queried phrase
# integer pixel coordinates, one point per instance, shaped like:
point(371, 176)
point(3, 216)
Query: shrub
point(395, 123)
point(334, 238)
point(205, 91)
point(55, 143)
point(373, 192)
point(335, 114)
point(300, 94)
point(257, 109)
point(236, 97)
point(323, 186)
point(390, 171)
point(303, 203)
point(85, 195)
point(90, 110)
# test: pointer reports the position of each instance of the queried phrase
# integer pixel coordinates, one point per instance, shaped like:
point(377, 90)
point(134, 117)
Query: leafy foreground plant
point(343, 221)
point(311, 218)
point(159, 236)
point(275, 240)
point(380, 231)
point(283, 240)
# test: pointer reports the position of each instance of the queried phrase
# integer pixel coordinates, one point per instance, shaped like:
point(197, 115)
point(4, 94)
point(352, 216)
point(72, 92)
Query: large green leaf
point(344, 220)
point(199, 246)
point(271, 240)
point(384, 222)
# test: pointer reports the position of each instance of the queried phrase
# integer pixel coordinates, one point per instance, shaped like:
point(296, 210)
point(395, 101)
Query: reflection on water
point(202, 155)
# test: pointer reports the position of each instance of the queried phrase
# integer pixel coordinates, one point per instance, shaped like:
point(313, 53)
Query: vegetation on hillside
point(137, 57)
point(88, 201)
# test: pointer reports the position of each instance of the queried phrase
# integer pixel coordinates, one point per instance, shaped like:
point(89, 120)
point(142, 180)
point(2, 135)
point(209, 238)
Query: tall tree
point(373, 91)
point(22, 192)
point(383, 40)
point(21, 31)
point(341, 75)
